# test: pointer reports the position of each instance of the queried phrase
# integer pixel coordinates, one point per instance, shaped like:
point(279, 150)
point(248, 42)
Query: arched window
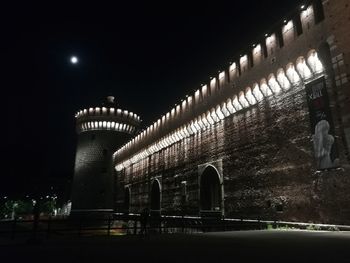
point(155, 196)
point(127, 200)
point(210, 190)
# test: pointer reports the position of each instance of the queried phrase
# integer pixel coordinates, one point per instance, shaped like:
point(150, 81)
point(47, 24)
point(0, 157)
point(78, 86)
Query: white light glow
point(257, 93)
point(276, 88)
point(292, 74)
point(236, 104)
point(230, 107)
point(249, 96)
point(219, 113)
point(282, 80)
point(265, 89)
point(242, 99)
point(74, 60)
point(287, 27)
point(303, 69)
point(314, 62)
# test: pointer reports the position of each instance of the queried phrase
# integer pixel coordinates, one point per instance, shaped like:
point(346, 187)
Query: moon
point(73, 60)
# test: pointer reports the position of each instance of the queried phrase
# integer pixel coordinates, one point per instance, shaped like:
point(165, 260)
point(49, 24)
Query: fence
point(118, 224)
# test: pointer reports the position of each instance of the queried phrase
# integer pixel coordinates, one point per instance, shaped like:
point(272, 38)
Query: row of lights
point(105, 111)
point(168, 114)
point(303, 7)
point(106, 125)
point(284, 81)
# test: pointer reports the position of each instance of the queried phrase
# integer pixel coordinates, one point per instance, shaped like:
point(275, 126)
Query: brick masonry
point(263, 154)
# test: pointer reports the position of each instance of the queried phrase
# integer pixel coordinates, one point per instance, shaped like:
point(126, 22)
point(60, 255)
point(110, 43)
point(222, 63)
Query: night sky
point(148, 55)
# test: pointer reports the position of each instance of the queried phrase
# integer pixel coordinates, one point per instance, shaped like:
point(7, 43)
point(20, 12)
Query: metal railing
point(135, 224)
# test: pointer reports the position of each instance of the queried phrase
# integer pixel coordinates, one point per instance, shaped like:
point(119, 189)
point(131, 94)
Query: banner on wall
point(322, 127)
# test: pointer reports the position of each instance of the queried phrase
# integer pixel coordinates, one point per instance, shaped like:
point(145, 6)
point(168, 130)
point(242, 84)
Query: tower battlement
point(107, 117)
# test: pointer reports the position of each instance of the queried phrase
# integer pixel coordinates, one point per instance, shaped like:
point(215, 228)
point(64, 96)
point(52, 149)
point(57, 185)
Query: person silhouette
point(323, 145)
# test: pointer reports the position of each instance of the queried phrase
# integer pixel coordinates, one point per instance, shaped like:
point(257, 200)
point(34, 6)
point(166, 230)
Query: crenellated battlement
point(106, 112)
point(282, 81)
point(239, 86)
point(107, 118)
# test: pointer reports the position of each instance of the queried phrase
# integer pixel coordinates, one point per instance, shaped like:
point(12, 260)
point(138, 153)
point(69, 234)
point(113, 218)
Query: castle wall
point(264, 149)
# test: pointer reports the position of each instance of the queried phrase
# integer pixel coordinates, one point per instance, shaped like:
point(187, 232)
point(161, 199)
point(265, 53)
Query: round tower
point(101, 131)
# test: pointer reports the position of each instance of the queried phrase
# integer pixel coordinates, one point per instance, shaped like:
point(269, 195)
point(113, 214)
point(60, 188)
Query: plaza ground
point(233, 246)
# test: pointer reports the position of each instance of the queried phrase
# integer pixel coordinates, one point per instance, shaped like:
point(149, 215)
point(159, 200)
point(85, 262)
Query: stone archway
point(127, 200)
point(155, 196)
point(210, 191)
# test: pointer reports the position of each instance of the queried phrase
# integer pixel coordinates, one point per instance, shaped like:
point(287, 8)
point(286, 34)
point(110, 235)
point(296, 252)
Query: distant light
point(285, 21)
point(266, 35)
point(302, 7)
point(74, 60)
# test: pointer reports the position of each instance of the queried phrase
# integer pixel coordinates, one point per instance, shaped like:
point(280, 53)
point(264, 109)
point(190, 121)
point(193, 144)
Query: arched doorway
point(126, 200)
point(210, 191)
point(155, 196)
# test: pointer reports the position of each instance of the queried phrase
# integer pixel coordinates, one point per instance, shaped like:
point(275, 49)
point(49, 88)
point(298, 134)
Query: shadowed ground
point(238, 246)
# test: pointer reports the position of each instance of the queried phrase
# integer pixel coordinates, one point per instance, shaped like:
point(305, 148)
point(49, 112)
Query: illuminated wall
point(252, 123)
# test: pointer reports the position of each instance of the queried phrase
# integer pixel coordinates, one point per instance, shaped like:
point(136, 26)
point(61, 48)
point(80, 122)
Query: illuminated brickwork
point(266, 138)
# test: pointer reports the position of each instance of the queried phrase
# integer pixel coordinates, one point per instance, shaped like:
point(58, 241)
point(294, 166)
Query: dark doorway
point(210, 190)
point(155, 196)
point(127, 200)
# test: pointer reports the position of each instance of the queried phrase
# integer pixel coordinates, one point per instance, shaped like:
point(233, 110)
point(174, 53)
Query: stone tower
point(101, 131)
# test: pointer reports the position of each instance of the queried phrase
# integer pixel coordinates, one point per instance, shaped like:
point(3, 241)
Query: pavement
point(215, 247)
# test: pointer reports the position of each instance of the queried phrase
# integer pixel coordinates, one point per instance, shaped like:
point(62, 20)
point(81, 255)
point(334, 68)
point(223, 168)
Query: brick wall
point(264, 154)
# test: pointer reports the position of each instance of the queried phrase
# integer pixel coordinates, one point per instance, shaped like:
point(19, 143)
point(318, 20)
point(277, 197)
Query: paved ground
point(239, 246)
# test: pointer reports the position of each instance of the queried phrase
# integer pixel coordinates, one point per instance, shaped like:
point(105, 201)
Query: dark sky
point(148, 55)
